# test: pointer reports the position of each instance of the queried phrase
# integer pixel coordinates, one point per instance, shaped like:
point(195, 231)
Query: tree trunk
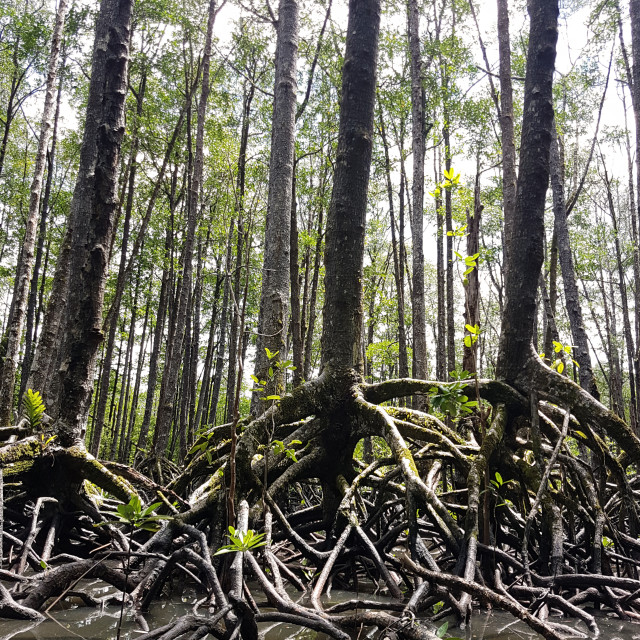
point(522, 268)
point(93, 210)
point(296, 320)
point(34, 307)
point(419, 325)
point(626, 323)
point(448, 219)
point(403, 363)
point(115, 305)
point(274, 299)
point(509, 177)
point(158, 333)
point(472, 286)
point(344, 253)
point(166, 407)
point(441, 347)
point(572, 298)
point(25, 266)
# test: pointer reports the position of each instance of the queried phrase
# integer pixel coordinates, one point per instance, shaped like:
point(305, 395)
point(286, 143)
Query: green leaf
point(33, 408)
point(581, 434)
point(442, 630)
point(560, 367)
point(275, 397)
point(471, 329)
point(498, 478)
point(467, 342)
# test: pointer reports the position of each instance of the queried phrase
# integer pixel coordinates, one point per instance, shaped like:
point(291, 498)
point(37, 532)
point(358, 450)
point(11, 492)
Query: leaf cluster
point(241, 542)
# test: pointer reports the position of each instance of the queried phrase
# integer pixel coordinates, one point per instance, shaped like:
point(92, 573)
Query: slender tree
point(25, 265)
point(274, 299)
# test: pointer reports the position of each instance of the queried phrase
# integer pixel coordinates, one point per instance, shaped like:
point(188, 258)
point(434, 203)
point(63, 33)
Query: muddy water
point(82, 623)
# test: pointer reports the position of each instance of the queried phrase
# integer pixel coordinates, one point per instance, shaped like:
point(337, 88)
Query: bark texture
point(274, 300)
point(341, 335)
point(25, 265)
point(93, 211)
point(419, 328)
point(522, 269)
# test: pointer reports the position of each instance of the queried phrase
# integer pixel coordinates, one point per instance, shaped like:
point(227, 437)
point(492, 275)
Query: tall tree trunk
point(551, 333)
point(158, 334)
point(626, 323)
point(522, 268)
point(572, 298)
point(448, 220)
point(93, 210)
point(441, 347)
point(274, 299)
point(419, 325)
point(509, 177)
point(296, 320)
point(202, 414)
point(313, 296)
point(472, 286)
point(33, 307)
point(25, 267)
point(166, 408)
point(222, 340)
point(43, 374)
point(341, 335)
point(108, 355)
point(403, 363)
point(136, 389)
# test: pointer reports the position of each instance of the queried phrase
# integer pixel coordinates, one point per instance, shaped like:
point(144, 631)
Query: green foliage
point(135, 516)
point(278, 447)
point(442, 629)
point(451, 400)
point(472, 337)
point(241, 542)
point(561, 350)
point(285, 365)
point(33, 408)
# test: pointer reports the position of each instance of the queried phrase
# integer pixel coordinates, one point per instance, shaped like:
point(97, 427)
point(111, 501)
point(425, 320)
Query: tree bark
point(34, 308)
point(522, 269)
point(274, 299)
point(115, 305)
point(93, 211)
point(166, 407)
point(509, 176)
point(419, 326)
point(25, 266)
point(403, 364)
point(472, 286)
point(341, 335)
point(572, 298)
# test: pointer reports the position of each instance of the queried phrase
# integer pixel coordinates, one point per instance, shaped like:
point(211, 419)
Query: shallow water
point(83, 623)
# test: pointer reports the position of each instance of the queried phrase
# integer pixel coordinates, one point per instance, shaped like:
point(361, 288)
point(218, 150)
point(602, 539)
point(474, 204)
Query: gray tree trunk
point(274, 299)
point(93, 210)
point(341, 333)
point(572, 299)
point(419, 326)
point(509, 176)
point(23, 275)
point(172, 367)
point(522, 268)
